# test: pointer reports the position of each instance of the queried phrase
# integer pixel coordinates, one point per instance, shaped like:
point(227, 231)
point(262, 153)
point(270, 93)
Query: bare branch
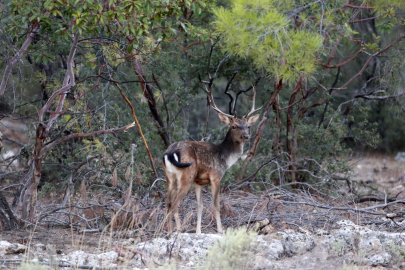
point(15, 59)
point(68, 83)
point(139, 127)
point(232, 112)
point(84, 135)
point(365, 96)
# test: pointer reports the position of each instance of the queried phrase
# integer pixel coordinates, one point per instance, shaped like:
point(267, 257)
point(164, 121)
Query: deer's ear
point(225, 120)
point(253, 119)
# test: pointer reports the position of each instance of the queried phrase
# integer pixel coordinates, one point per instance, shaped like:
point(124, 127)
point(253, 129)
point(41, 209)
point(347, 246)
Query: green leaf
point(130, 47)
point(183, 26)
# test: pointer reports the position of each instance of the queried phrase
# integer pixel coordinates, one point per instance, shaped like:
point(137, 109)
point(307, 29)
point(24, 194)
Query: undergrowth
point(234, 251)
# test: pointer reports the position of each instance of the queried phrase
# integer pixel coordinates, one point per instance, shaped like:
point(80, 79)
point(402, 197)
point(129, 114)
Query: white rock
point(262, 262)
point(400, 157)
point(15, 248)
point(377, 247)
point(128, 242)
point(77, 257)
point(350, 243)
point(107, 259)
point(270, 248)
point(184, 246)
point(297, 243)
point(3, 245)
point(380, 259)
point(102, 260)
point(39, 247)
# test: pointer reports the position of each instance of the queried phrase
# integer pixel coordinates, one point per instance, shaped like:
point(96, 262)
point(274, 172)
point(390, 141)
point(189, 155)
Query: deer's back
point(204, 155)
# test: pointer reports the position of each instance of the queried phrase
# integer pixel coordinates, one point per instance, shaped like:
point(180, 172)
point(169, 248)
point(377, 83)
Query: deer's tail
point(175, 158)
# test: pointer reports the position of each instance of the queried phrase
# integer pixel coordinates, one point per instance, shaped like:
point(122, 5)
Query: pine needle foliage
point(262, 30)
point(385, 3)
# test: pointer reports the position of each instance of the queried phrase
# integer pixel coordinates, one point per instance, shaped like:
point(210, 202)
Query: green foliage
point(349, 266)
point(389, 122)
point(385, 3)
point(128, 18)
point(32, 266)
point(121, 29)
point(233, 251)
point(397, 251)
point(170, 39)
point(338, 246)
point(261, 30)
point(373, 47)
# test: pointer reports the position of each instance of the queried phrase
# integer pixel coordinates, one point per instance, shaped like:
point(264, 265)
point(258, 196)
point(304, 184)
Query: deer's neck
point(230, 150)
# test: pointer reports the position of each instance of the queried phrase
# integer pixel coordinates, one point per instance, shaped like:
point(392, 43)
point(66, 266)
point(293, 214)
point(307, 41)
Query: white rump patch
point(169, 166)
point(175, 157)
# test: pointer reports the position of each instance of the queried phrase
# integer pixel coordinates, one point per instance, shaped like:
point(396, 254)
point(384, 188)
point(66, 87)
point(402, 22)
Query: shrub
point(233, 251)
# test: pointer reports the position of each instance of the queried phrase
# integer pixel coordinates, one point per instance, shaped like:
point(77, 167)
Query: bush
point(233, 251)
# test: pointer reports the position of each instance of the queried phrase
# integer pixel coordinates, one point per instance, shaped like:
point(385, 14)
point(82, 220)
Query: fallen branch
point(118, 250)
point(365, 210)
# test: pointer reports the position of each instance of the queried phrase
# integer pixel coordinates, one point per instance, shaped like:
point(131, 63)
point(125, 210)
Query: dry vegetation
point(93, 222)
point(378, 182)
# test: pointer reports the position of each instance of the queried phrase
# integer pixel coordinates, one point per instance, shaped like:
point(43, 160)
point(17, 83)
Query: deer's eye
point(233, 127)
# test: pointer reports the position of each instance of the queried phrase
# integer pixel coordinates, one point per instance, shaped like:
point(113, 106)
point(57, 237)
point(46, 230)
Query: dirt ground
point(380, 172)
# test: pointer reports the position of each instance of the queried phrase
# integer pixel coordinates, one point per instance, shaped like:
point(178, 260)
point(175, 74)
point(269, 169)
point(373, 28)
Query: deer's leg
point(183, 187)
point(198, 189)
point(171, 195)
point(215, 196)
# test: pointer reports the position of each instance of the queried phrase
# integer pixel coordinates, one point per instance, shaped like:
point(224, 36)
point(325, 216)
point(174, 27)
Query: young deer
point(204, 163)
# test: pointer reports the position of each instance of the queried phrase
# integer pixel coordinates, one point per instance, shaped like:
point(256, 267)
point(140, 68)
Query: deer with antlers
point(204, 163)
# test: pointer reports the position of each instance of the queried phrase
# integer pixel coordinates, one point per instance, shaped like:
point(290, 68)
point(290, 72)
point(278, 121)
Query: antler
point(211, 98)
point(252, 111)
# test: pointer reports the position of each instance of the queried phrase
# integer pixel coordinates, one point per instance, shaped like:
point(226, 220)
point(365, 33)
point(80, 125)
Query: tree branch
point(84, 135)
point(15, 59)
point(140, 129)
point(64, 89)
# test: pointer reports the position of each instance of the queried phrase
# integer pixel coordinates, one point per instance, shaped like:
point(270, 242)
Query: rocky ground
point(348, 247)
point(300, 242)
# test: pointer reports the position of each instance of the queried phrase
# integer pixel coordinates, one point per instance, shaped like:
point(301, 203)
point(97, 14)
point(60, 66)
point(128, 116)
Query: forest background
point(101, 88)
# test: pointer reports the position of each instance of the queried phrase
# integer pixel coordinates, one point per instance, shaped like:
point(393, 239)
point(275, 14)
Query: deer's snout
point(245, 136)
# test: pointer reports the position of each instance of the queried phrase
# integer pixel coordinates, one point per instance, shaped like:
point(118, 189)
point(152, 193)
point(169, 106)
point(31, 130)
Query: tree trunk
point(279, 124)
point(148, 93)
point(33, 176)
point(7, 218)
point(290, 135)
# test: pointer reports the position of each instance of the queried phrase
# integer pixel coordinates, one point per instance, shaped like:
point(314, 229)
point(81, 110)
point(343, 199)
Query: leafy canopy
point(130, 18)
point(260, 29)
